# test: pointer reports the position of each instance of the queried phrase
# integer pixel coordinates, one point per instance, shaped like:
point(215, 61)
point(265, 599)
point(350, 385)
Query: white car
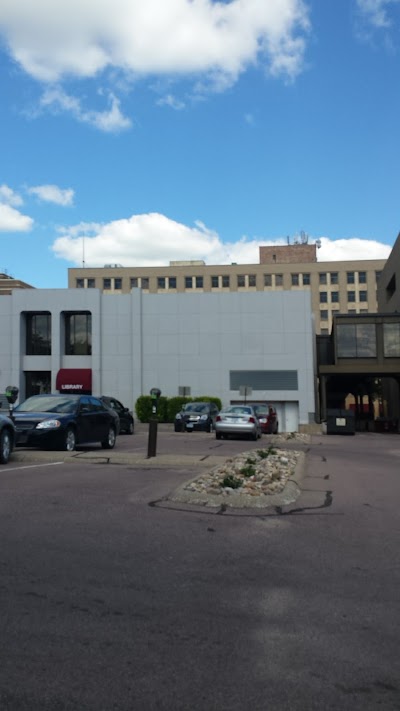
point(237, 420)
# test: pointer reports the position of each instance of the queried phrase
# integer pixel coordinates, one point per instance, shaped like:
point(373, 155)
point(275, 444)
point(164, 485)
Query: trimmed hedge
point(168, 406)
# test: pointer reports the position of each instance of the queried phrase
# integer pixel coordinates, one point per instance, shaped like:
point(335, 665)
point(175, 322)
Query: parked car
point(7, 438)
point(126, 419)
point(267, 417)
point(237, 420)
point(196, 416)
point(64, 421)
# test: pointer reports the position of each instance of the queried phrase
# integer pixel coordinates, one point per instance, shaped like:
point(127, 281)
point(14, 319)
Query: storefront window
point(391, 340)
point(356, 340)
point(78, 334)
point(38, 333)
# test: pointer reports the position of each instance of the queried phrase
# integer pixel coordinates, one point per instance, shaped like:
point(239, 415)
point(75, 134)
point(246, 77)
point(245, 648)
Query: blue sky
point(139, 133)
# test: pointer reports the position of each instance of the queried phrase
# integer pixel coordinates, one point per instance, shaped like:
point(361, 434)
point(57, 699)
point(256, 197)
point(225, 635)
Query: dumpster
point(340, 422)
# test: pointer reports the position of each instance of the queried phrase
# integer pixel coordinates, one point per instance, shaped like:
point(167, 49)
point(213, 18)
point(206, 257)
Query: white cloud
point(11, 220)
point(155, 240)
point(54, 194)
point(110, 121)
point(375, 12)
point(172, 102)
point(8, 196)
point(52, 40)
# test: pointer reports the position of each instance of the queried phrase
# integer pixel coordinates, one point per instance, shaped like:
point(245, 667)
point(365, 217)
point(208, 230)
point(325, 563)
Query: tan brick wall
point(290, 254)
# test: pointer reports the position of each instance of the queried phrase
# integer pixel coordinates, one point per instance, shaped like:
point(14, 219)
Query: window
point(391, 288)
point(252, 280)
point(362, 277)
point(391, 340)
point(334, 297)
point(350, 277)
point(363, 296)
point(172, 282)
point(334, 278)
point(351, 311)
point(199, 282)
point(351, 296)
point(241, 280)
point(306, 280)
point(323, 314)
point(356, 340)
point(107, 284)
point(160, 282)
point(188, 282)
point(91, 283)
point(145, 282)
point(133, 282)
point(37, 382)
point(363, 311)
point(278, 279)
point(295, 279)
point(377, 276)
point(322, 278)
point(324, 331)
point(214, 282)
point(38, 333)
point(118, 283)
point(267, 279)
point(225, 281)
point(80, 283)
point(323, 297)
point(78, 333)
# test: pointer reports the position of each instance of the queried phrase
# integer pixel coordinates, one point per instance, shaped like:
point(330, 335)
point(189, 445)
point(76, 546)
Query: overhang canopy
point(74, 380)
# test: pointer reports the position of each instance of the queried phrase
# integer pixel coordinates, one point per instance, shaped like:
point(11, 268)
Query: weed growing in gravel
point(248, 471)
point(264, 453)
point(231, 481)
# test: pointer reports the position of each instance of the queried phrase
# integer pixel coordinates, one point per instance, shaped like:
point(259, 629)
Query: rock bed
point(257, 472)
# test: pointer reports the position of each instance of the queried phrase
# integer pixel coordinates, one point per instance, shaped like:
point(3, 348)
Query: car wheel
point(210, 427)
point(254, 436)
point(129, 430)
point(5, 446)
point(109, 443)
point(218, 435)
point(70, 440)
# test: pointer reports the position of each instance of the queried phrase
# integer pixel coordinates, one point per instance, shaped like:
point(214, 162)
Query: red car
point(267, 418)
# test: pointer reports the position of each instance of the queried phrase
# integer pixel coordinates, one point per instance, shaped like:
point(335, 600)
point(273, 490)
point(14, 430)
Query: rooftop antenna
point(318, 243)
point(304, 237)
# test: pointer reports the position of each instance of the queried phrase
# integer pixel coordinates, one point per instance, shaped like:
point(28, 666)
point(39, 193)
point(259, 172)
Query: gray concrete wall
point(142, 340)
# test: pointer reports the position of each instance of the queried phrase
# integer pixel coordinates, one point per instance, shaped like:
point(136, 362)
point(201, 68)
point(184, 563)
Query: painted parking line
point(32, 466)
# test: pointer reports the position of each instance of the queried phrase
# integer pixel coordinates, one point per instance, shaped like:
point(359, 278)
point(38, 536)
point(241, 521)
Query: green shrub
point(174, 405)
point(144, 408)
point(208, 398)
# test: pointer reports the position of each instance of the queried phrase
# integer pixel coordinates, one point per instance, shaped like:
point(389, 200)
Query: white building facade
point(208, 343)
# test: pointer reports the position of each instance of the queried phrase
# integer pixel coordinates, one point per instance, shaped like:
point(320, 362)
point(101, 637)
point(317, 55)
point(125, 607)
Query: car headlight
point(48, 425)
point(204, 417)
point(178, 416)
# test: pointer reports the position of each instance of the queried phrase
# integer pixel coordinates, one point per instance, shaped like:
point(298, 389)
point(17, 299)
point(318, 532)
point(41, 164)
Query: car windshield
point(40, 403)
point(261, 409)
point(238, 410)
point(196, 407)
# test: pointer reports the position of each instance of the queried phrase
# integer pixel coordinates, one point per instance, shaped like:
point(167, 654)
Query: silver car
point(237, 420)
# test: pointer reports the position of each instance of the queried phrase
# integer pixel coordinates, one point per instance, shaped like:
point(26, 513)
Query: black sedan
point(127, 422)
point(7, 438)
point(64, 421)
point(196, 416)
